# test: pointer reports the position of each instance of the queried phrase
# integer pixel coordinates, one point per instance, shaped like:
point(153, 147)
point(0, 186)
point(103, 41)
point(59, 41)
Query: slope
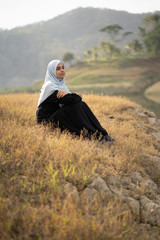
point(56, 186)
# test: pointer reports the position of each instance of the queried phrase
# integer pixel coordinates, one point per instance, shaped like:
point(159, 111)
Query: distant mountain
point(25, 51)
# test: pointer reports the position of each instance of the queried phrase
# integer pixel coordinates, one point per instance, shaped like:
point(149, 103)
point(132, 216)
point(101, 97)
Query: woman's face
point(60, 71)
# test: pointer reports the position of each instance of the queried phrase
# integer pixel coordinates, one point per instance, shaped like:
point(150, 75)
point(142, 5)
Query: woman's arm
point(70, 98)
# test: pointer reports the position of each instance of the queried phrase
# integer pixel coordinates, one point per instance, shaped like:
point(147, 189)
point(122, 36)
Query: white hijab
point(52, 83)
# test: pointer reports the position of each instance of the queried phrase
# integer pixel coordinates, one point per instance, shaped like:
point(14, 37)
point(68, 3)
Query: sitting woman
point(66, 110)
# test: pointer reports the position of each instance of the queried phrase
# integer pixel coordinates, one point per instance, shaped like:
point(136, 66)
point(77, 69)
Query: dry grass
point(37, 161)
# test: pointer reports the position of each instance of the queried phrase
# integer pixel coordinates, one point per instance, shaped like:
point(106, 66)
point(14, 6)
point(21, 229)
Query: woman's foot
point(109, 139)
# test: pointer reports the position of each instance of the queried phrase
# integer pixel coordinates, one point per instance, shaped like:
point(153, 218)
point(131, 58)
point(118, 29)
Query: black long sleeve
point(47, 107)
point(50, 105)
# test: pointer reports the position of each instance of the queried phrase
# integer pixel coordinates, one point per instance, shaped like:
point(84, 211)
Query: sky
point(14, 13)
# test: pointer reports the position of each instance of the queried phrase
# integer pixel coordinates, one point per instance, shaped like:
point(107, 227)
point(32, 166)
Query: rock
point(134, 189)
point(93, 194)
point(71, 192)
point(119, 191)
point(115, 185)
point(152, 121)
point(141, 126)
point(113, 180)
point(152, 166)
point(150, 188)
point(136, 178)
point(157, 136)
point(126, 181)
point(100, 185)
point(150, 114)
point(134, 206)
point(150, 211)
point(139, 112)
point(148, 117)
point(90, 196)
point(148, 227)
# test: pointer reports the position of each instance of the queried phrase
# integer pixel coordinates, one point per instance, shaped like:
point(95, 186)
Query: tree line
point(148, 43)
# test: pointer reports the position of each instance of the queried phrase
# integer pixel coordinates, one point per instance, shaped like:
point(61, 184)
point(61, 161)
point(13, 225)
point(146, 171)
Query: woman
point(66, 110)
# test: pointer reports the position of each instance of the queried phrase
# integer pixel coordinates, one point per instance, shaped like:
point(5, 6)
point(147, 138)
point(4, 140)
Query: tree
point(153, 19)
point(103, 48)
point(151, 38)
point(109, 49)
point(112, 30)
point(152, 41)
point(88, 54)
point(125, 35)
point(95, 52)
point(142, 32)
point(135, 46)
point(68, 57)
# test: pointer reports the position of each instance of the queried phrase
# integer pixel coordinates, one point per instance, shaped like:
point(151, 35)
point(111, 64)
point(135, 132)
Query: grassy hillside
point(135, 74)
point(37, 163)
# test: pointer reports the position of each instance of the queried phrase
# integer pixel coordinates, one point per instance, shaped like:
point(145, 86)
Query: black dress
point(70, 113)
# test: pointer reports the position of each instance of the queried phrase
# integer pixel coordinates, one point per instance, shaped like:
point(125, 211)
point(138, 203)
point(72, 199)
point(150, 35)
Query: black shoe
point(109, 139)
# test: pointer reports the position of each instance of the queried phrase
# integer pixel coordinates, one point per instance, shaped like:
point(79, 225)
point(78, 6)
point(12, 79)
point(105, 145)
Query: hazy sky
point(21, 12)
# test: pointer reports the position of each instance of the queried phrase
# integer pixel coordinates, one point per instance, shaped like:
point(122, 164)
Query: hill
point(25, 51)
point(56, 186)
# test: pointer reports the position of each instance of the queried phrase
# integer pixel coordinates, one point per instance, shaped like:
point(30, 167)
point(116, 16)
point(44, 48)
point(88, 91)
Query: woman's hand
point(61, 93)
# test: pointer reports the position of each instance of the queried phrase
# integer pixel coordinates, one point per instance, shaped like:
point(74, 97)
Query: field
point(37, 162)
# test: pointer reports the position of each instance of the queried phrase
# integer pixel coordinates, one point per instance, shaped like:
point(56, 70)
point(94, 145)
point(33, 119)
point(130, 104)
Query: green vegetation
point(148, 43)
